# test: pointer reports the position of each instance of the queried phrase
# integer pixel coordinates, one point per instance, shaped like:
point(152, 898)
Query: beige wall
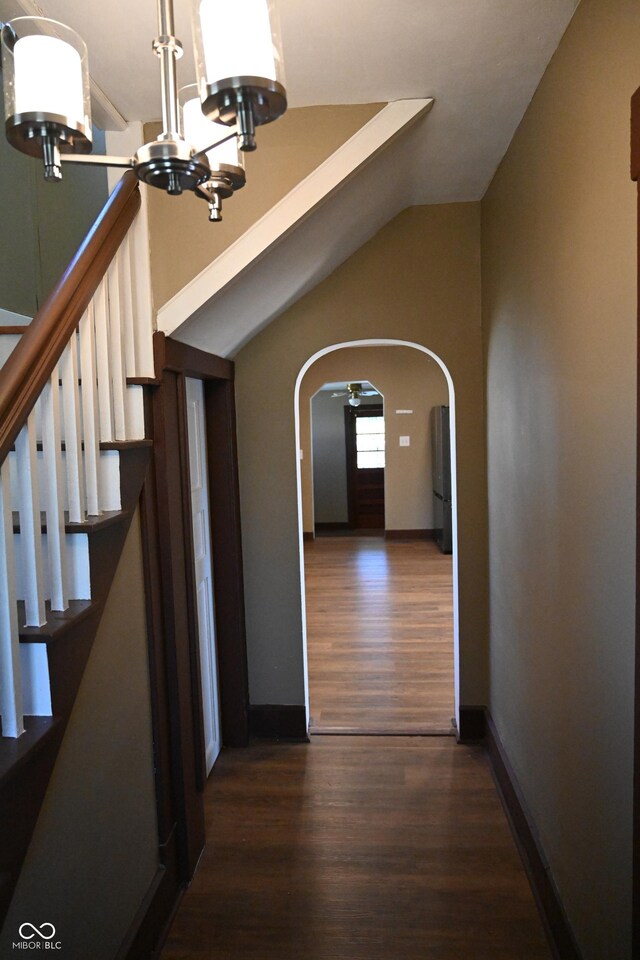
point(559, 283)
point(408, 380)
point(94, 851)
point(417, 280)
point(183, 242)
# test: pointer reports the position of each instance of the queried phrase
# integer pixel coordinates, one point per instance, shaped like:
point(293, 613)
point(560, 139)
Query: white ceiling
point(480, 59)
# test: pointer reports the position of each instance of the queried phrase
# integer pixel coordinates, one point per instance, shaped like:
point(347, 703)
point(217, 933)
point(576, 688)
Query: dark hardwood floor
point(357, 848)
point(379, 635)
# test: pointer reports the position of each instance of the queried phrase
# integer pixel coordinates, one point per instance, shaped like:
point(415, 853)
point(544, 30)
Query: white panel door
point(203, 567)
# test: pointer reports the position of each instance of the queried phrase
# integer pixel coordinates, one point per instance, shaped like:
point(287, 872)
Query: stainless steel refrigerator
point(441, 470)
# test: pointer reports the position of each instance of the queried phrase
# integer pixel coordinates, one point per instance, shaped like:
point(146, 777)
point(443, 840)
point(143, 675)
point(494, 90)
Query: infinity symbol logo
point(40, 932)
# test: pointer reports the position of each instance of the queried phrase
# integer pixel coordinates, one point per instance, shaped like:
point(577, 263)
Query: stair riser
point(77, 567)
point(36, 686)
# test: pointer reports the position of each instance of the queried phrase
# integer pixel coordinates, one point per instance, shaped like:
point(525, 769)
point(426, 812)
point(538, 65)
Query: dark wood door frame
point(179, 361)
point(351, 414)
point(171, 601)
point(635, 175)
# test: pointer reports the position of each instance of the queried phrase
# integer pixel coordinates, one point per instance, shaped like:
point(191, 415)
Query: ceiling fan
point(355, 393)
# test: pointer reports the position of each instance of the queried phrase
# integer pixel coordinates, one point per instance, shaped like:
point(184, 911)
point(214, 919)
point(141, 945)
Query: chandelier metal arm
point(218, 143)
point(98, 160)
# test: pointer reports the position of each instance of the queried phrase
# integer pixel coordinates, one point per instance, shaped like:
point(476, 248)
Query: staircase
point(73, 457)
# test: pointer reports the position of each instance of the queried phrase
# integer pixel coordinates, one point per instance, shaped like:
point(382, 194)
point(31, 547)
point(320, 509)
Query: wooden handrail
point(32, 362)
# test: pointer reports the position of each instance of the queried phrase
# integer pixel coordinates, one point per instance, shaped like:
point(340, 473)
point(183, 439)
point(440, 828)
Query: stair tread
point(104, 445)
point(125, 444)
point(14, 330)
point(14, 753)
point(89, 524)
point(58, 621)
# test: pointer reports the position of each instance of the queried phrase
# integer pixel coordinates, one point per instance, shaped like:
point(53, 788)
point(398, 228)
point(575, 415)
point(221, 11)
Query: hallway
point(357, 848)
point(379, 635)
point(360, 847)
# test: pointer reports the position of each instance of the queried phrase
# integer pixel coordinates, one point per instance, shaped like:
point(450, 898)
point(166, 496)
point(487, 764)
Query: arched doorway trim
point(454, 497)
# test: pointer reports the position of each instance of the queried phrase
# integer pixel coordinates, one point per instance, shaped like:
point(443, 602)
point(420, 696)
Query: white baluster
point(143, 300)
point(54, 492)
point(134, 400)
point(116, 352)
point(10, 682)
point(30, 524)
point(90, 426)
point(101, 326)
point(72, 430)
point(126, 300)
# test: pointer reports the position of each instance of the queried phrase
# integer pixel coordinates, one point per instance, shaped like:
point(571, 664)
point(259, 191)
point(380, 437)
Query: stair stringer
point(26, 764)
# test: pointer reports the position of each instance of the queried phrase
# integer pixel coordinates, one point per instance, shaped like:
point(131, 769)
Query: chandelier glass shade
point(225, 160)
point(240, 76)
point(47, 99)
point(239, 87)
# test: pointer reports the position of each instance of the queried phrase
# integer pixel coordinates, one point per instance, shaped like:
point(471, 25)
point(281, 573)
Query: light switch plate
point(405, 441)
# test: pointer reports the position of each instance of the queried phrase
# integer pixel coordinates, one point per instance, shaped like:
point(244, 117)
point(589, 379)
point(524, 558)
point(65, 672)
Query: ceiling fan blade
point(343, 394)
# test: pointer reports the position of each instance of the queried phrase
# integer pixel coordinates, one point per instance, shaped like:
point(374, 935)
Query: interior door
point(199, 481)
point(365, 437)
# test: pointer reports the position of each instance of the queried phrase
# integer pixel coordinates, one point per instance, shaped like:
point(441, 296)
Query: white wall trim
point(291, 210)
point(454, 500)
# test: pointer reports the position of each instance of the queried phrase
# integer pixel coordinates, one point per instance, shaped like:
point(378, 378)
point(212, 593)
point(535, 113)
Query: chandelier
point(206, 126)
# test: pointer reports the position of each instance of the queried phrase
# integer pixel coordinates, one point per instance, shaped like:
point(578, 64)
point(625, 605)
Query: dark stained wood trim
point(30, 365)
point(165, 741)
point(554, 918)
point(23, 789)
point(172, 543)
point(278, 721)
point(19, 330)
point(123, 444)
point(308, 536)
point(228, 575)
point(635, 174)
point(17, 752)
point(350, 446)
point(189, 361)
point(635, 135)
point(472, 724)
point(329, 526)
point(153, 919)
point(224, 498)
point(424, 534)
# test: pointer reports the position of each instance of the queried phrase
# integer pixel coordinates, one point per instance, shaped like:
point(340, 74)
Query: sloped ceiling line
point(306, 197)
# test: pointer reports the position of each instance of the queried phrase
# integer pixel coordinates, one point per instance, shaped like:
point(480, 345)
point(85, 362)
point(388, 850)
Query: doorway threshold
point(350, 532)
point(334, 731)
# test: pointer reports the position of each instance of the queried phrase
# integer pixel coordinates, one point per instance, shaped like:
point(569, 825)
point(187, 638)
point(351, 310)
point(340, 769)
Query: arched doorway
point(452, 413)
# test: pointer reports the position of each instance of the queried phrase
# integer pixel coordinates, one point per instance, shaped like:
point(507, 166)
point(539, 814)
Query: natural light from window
point(369, 442)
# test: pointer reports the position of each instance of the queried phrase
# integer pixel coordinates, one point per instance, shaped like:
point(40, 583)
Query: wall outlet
point(405, 441)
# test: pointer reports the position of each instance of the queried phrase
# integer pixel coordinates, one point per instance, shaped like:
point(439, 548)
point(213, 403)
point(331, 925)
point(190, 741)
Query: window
point(369, 442)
